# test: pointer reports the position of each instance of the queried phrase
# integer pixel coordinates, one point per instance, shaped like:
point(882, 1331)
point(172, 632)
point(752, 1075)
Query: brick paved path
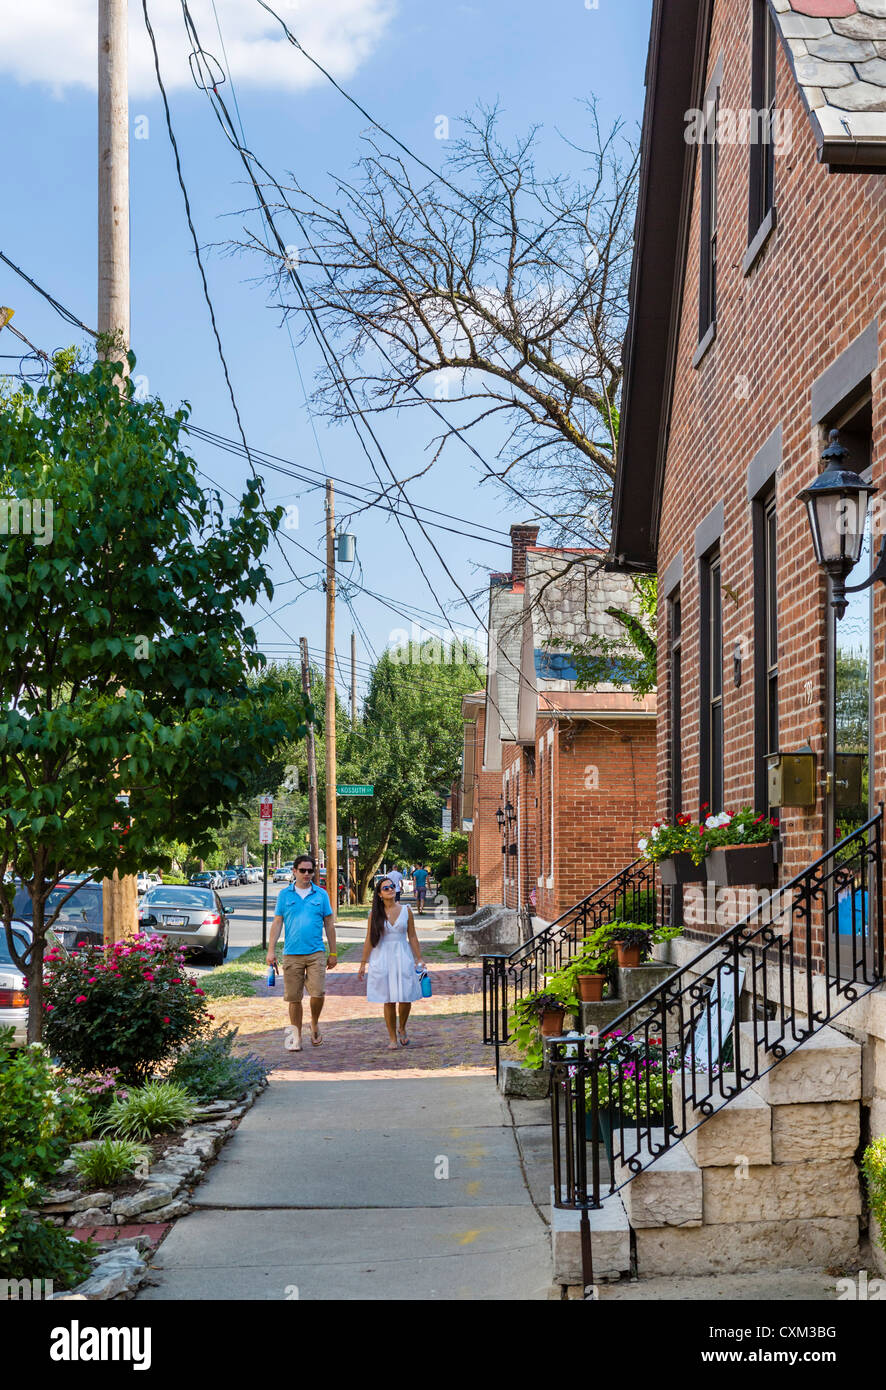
point(445, 1031)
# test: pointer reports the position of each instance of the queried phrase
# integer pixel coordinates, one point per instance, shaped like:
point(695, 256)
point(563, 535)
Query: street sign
point(352, 789)
point(266, 821)
point(266, 808)
point(446, 819)
point(338, 842)
point(353, 842)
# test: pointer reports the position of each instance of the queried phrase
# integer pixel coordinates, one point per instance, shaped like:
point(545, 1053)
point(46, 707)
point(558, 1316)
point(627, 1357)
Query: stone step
point(781, 1192)
point(598, 1016)
point(747, 1246)
point(738, 1135)
point(634, 983)
point(517, 1080)
point(805, 1132)
point(610, 1241)
point(669, 1193)
point(825, 1067)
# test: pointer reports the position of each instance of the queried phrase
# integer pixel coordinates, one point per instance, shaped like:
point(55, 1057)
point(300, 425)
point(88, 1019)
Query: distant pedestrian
point(396, 878)
point(305, 911)
point(420, 878)
point(391, 960)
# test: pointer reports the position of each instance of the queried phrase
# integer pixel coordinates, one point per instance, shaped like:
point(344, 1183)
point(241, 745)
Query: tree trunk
point(35, 971)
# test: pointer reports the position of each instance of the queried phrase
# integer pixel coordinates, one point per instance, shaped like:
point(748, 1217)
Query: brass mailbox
point(791, 778)
point(848, 768)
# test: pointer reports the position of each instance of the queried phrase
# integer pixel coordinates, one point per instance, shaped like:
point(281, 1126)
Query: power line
point(57, 306)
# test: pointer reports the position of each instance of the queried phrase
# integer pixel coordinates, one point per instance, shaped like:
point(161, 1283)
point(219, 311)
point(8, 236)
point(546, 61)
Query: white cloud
point(54, 42)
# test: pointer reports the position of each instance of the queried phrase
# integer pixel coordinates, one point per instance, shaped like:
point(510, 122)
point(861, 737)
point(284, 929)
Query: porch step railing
point(678, 1055)
point(630, 895)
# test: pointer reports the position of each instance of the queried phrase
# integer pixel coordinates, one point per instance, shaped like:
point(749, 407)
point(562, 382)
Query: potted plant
point(739, 848)
point(584, 977)
point(633, 941)
point(677, 849)
point(461, 891)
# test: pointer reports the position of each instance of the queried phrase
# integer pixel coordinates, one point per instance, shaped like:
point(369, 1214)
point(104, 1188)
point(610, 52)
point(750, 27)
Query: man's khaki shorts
point(301, 970)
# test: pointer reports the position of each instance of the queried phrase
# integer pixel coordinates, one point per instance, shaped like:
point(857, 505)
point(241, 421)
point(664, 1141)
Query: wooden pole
point(119, 895)
point(353, 680)
point(313, 815)
point(331, 800)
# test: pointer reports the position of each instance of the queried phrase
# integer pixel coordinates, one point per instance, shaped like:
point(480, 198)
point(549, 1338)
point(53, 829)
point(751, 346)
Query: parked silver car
point(13, 987)
point(195, 918)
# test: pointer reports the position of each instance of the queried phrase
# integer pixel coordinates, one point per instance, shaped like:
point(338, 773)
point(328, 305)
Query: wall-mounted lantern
point(837, 504)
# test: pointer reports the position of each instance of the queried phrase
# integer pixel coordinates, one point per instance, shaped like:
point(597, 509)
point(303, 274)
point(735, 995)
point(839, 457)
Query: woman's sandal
point(404, 1041)
point(393, 1047)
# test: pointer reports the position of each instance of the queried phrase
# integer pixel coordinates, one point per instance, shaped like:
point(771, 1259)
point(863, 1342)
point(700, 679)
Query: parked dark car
point(232, 878)
point(204, 880)
point(195, 918)
point(80, 922)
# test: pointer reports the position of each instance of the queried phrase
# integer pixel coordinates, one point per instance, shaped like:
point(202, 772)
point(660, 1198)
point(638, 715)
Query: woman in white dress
point(391, 952)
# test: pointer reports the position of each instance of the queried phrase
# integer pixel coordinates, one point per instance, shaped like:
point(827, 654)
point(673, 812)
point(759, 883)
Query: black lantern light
point(510, 813)
point(500, 817)
point(837, 504)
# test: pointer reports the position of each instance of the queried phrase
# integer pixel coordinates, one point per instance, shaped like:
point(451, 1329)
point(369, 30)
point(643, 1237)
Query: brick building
point(757, 310)
point(571, 771)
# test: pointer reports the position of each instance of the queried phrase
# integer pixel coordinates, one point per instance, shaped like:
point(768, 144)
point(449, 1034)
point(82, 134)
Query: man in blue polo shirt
point(304, 912)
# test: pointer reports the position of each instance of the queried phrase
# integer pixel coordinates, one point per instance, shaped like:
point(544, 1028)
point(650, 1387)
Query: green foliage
point(634, 1077)
point(873, 1165)
point(408, 745)
point(39, 1120)
point(742, 828)
point(110, 1161)
point(208, 1070)
point(442, 849)
point(238, 978)
point(665, 840)
point(630, 661)
point(460, 888)
point(123, 647)
point(528, 1013)
point(640, 934)
point(157, 1107)
point(129, 1005)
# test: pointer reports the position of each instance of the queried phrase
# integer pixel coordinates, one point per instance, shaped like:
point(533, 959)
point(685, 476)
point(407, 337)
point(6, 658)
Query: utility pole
point(313, 817)
point(119, 896)
point(353, 680)
point(331, 801)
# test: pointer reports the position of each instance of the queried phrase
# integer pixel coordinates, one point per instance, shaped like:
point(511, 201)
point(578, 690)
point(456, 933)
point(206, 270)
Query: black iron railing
point(621, 1099)
point(629, 895)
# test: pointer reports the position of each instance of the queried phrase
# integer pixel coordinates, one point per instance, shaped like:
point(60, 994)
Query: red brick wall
point(484, 841)
point(818, 283)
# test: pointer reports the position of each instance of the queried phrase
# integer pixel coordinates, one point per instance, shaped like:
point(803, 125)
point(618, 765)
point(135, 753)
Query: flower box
point(734, 864)
point(679, 868)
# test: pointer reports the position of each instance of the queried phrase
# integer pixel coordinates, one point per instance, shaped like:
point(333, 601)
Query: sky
point(408, 62)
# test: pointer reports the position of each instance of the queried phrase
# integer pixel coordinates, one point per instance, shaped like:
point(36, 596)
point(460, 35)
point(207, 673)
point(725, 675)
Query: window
point(707, 306)
point(765, 645)
point(676, 709)
point(711, 760)
point(763, 131)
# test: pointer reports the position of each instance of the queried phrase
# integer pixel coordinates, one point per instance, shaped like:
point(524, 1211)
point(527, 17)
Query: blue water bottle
point(272, 977)
point(424, 980)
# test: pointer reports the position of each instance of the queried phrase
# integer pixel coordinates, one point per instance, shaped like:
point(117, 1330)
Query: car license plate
point(174, 921)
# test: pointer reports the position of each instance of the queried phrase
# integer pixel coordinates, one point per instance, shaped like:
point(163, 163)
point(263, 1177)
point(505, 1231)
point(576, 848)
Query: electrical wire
point(57, 306)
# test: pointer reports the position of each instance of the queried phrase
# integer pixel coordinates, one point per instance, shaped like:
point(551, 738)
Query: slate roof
point(837, 49)
point(569, 602)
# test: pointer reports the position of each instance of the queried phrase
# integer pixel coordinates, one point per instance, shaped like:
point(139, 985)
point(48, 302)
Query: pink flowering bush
point(127, 1006)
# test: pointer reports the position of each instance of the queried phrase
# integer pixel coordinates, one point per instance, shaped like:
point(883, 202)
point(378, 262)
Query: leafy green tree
point(408, 746)
point(125, 661)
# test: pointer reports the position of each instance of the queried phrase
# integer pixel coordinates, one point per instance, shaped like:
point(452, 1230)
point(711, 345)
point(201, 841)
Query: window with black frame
point(707, 315)
point(763, 126)
point(711, 779)
point(676, 704)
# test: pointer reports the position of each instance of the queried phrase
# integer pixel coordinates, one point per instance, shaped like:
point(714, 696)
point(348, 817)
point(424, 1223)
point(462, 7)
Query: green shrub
point(157, 1107)
point(129, 1005)
point(873, 1166)
point(110, 1161)
point(208, 1070)
point(39, 1120)
point(460, 888)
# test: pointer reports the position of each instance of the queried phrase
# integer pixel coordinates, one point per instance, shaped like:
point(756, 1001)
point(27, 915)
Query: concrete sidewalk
point(399, 1187)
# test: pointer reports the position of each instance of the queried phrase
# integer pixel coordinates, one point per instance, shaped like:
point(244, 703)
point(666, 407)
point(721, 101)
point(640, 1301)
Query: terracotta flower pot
point(590, 988)
point(628, 957)
point(552, 1023)
point(732, 864)
point(679, 868)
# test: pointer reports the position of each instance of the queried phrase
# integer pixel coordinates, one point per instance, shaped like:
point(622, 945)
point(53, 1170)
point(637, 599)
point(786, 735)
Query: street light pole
point(331, 802)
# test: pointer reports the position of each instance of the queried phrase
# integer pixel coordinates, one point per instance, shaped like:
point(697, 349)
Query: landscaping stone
point(491, 931)
point(149, 1199)
point(747, 1246)
point(805, 1133)
point(75, 1200)
point(117, 1271)
point(780, 1192)
point(93, 1216)
point(180, 1207)
point(516, 1080)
